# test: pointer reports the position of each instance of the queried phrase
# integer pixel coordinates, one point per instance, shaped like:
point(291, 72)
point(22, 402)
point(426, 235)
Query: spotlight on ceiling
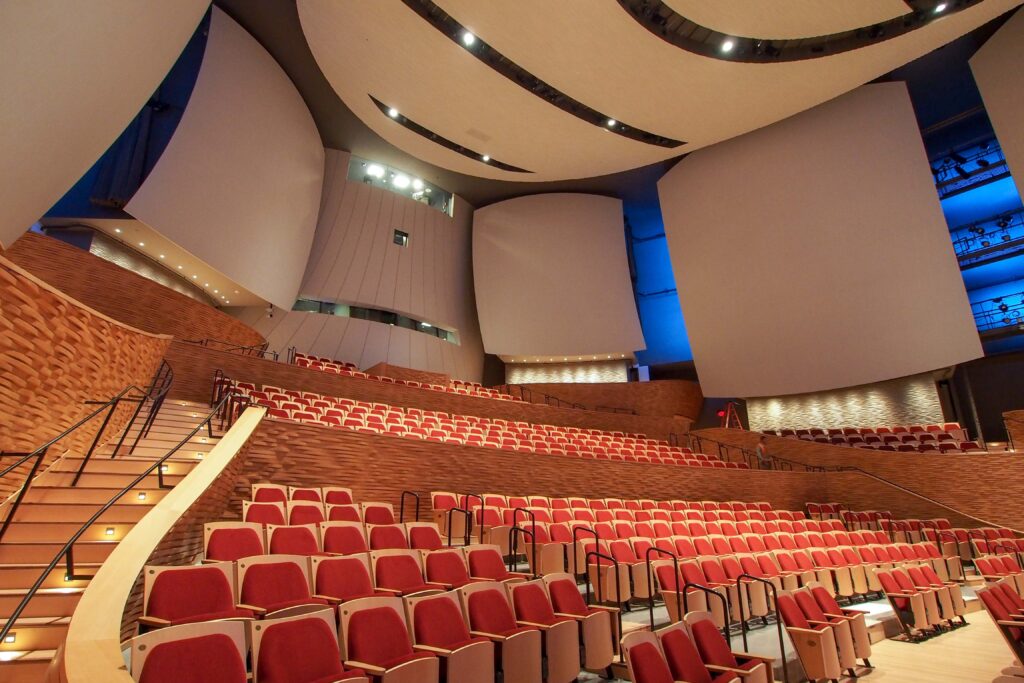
point(727, 45)
point(1004, 308)
point(611, 123)
point(375, 170)
point(117, 230)
point(485, 158)
point(468, 39)
point(417, 184)
point(400, 181)
point(940, 8)
point(393, 113)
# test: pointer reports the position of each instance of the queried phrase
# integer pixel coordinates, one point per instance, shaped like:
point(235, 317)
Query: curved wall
point(239, 184)
point(73, 75)
point(124, 295)
point(813, 254)
point(552, 278)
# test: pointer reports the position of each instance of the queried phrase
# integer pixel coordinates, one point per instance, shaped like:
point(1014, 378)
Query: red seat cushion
point(228, 545)
point(276, 586)
point(712, 645)
point(648, 665)
point(489, 612)
point(183, 596)
point(439, 623)
point(293, 541)
point(377, 636)
point(344, 540)
point(205, 659)
point(318, 643)
point(683, 659)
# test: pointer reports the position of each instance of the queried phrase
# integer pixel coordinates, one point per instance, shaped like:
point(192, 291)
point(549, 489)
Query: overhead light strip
point(472, 43)
point(401, 119)
point(664, 22)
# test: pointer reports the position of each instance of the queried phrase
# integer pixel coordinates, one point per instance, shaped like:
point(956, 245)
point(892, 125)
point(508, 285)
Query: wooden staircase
point(53, 510)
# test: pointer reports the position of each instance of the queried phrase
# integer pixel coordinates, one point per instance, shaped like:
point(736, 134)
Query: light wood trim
point(92, 652)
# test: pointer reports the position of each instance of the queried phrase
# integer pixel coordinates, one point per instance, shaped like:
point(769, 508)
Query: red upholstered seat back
point(809, 606)
point(378, 514)
point(490, 612)
point(270, 584)
point(532, 604)
point(264, 514)
point(344, 513)
point(377, 636)
point(343, 577)
point(424, 538)
point(387, 537)
point(338, 498)
point(648, 665)
point(825, 601)
point(228, 545)
point(1010, 595)
point(999, 611)
point(487, 563)
point(300, 650)
point(566, 597)
point(293, 541)
point(182, 593)
point(904, 582)
point(306, 514)
point(438, 623)
point(713, 571)
point(791, 613)
point(344, 540)
point(447, 568)
point(306, 494)
point(269, 495)
point(398, 572)
point(712, 645)
point(206, 659)
point(684, 661)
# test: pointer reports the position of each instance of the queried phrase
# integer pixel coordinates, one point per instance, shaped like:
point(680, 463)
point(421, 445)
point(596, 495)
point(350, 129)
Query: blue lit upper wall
point(981, 202)
point(655, 287)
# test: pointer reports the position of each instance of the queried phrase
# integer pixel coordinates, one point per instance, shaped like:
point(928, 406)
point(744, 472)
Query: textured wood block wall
point(124, 295)
point(408, 374)
point(567, 372)
point(56, 353)
point(194, 367)
point(903, 401)
point(665, 397)
point(1014, 421)
point(985, 486)
point(379, 468)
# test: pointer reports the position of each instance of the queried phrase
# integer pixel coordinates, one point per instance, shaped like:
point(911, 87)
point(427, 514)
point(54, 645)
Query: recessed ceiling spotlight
point(393, 113)
point(117, 230)
point(611, 123)
point(940, 8)
point(195, 277)
point(216, 291)
point(180, 267)
point(206, 284)
point(162, 256)
point(236, 291)
point(727, 45)
point(468, 39)
point(417, 184)
point(375, 170)
point(227, 301)
point(400, 181)
point(486, 157)
point(142, 244)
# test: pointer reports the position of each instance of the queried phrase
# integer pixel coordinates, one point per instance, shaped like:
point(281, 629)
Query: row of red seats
point(952, 428)
point(349, 370)
point(444, 500)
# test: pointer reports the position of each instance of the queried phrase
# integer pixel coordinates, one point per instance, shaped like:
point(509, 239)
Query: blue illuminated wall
point(655, 286)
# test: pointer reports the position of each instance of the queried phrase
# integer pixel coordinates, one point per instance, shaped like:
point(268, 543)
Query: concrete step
point(25, 666)
point(45, 603)
point(35, 633)
point(23, 575)
point(41, 552)
point(122, 512)
point(85, 495)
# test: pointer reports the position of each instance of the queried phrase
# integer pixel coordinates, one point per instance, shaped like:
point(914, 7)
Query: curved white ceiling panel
point(72, 76)
point(600, 57)
point(785, 19)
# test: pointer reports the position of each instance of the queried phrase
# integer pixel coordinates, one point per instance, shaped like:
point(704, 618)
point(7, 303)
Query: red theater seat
point(375, 638)
point(213, 652)
point(183, 595)
point(300, 648)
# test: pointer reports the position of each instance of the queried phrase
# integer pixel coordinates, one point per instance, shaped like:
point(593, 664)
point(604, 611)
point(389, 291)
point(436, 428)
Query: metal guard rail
point(67, 550)
point(260, 350)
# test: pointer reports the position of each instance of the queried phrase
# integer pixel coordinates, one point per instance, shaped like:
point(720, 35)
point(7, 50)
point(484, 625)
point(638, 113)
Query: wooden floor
point(972, 654)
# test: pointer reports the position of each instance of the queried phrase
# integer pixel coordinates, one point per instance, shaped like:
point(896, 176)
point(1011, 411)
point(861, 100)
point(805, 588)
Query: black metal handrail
point(467, 496)
point(707, 590)
point(469, 524)
point(160, 384)
point(650, 580)
point(526, 394)
point(600, 592)
point(775, 609)
point(513, 543)
point(576, 530)
point(401, 506)
point(260, 350)
point(66, 551)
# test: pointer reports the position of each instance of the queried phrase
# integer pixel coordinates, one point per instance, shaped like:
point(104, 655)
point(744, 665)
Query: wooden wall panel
point(124, 295)
point(664, 397)
point(399, 372)
point(56, 353)
point(1014, 421)
point(985, 486)
point(194, 367)
point(379, 468)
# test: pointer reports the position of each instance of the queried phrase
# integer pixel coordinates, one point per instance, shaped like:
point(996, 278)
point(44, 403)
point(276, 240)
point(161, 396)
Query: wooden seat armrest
point(851, 613)
point(542, 627)
point(804, 631)
point(574, 617)
point(253, 608)
point(493, 636)
point(901, 594)
point(750, 655)
point(812, 622)
point(1003, 622)
point(728, 669)
point(154, 621)
point(329, 598)
point(369, 668)
point(389, 590)
point(439, 651)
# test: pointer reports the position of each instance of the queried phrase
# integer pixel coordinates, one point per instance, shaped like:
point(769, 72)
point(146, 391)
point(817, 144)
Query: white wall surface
point(552, 277)
point(72, 76)
point(813, 254)
point(239, 184)
point(1000, 78)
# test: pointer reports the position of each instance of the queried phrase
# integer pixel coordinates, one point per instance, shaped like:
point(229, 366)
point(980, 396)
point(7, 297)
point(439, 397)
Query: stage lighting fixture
point(1003, 222)
point(1004, 308)
point(940, 8)
point(961, 172)
point(468, 39)
point(958, 158)
point(727, 45)
point(982, 163)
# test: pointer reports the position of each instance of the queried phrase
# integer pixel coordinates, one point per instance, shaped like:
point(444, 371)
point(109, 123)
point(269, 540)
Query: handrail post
point(775, 608)
point(469, 523)
point(99, 433)
point(401, 507)
point(467, 496)
point(533, 535)
point(21, 493)
point(650, 580)
point(575, 556)
point(513, 543)
point(707, 590)
point(618, 580)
